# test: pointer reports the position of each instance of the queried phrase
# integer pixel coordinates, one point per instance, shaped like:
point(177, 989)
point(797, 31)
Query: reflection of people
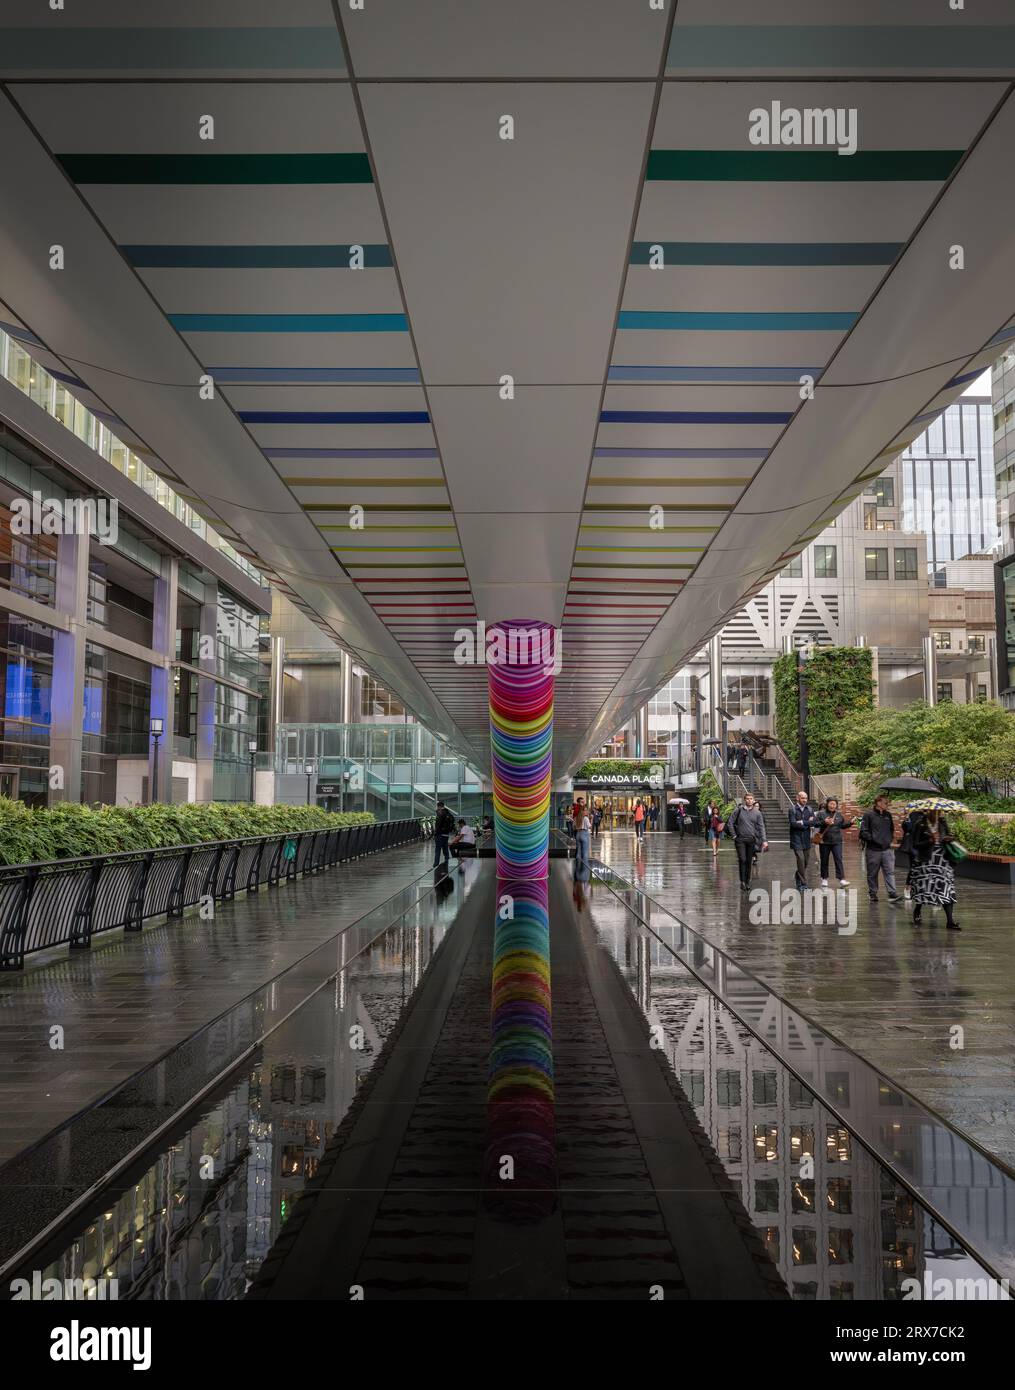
point(582, 874)
point(442, 881)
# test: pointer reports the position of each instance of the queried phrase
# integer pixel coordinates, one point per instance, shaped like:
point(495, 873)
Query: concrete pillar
point(643, 731)
point(714, 683)
point(929, 670)
point(346, 715)
point(206, 690)
point(276, 685)
point(68, 697)
point(164, 600)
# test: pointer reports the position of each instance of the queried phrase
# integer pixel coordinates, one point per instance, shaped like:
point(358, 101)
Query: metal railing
point(68, 901)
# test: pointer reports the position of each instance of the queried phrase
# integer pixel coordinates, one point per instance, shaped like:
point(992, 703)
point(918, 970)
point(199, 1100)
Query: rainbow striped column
point(521, 734)
point(520, 1162)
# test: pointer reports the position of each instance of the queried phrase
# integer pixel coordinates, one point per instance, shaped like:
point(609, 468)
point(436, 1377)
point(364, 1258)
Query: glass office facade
point(948, 484)
point(397, 771)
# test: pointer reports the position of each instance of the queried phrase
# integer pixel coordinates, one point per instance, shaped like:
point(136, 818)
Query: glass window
point(840, 1246)
point(766, 1143)
point(905, 562)
point(840, 1195)
point(870, 516)
point(876, 563)
point(765, 1087)
point(977, 643)
point(944, 691)
point(805, 1246)
point(727, 1087)
point(942, 640)
point(802, 1190)
point(766, 1194)
point(693, 1083)
point(825, 562)
point(884, 490)
point(795, 568)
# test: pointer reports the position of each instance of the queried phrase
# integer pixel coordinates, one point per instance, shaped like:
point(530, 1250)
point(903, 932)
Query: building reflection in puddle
point(198, 1222)
point(834, 1220)
point(519, 1167)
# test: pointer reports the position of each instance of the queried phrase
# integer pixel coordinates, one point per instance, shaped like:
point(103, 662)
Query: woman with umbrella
point(933, 878)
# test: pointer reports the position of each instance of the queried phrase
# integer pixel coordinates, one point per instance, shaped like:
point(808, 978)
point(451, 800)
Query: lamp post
point(803, 656)
point(252, 750)
point(156, 727)
point(724, 720)
point(309, 770)
point(699, 700)
point(681, 711)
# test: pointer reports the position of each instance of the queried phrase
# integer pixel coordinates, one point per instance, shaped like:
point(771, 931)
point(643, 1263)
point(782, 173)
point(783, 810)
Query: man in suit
point(801, 827)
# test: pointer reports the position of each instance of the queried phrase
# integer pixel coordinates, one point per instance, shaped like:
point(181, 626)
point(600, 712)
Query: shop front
point(617, 795)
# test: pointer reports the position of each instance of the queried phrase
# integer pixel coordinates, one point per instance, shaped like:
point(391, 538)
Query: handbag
point(955, 851)
point(817, 837)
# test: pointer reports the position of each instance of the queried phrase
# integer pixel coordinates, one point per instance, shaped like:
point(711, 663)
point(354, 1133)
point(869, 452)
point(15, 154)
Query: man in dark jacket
point(877, 831)
point(747, 826)
point(443, 827)
point(801, 827)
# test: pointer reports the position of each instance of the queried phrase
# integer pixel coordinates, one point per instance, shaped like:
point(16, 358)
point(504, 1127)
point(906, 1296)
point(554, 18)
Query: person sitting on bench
point(464, 843)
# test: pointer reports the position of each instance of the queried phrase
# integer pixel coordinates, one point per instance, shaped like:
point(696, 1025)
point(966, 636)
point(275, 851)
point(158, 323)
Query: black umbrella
point(909, 784)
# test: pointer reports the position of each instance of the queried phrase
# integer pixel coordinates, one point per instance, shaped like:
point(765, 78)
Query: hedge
point(710, 789)
point(65, 831)
point(603, 767)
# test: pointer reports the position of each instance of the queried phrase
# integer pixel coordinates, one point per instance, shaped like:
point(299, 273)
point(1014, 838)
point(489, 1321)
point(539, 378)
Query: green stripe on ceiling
point(663, 482)
point(216, 168)
point(108, 48)
point(841, 46)
point(801, 166)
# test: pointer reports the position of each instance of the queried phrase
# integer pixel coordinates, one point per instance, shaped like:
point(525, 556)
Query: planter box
point(987, 868)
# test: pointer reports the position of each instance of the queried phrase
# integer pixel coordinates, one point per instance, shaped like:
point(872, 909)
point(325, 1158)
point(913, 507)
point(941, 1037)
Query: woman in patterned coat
point(932, 873)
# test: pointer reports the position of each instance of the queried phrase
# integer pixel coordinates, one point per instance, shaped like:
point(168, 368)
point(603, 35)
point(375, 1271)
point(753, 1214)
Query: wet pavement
point(893, 993)
point(127, 1000)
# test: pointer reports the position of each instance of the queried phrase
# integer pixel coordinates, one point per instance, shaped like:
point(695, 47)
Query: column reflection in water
point(519, 1171)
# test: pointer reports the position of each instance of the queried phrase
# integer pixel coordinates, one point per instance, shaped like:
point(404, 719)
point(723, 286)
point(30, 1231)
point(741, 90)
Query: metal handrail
point(67, 901)
point(722, 967)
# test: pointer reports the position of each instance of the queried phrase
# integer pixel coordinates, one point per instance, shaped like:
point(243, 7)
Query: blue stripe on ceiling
point(311, 375)
point(751, 374)
point(768, 252)
point(1004, 335)
point(375, 255)
point(351, 453)
point(695, 417)
point(106, 48)
point(611, 453)
point(964, 378)
point(290, 323)
point(841, 46)
point(14, 330)
point(741, 322)
point(69, 380)
point(334, 417)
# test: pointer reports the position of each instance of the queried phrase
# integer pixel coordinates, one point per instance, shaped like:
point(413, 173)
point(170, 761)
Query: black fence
point(67, 901)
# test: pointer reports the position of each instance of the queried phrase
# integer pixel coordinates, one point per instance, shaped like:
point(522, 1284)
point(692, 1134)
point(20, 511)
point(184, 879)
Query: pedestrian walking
point(582, 830)
point(639, 818)
point(877, 834)
point(714, 827)
point(933, 875)
point(747, 826)
point(443, 827)
point(829, 825)
point(801, 827)
point(597, 820)
point(743, 752)
point(653, 815)
point(681, 819)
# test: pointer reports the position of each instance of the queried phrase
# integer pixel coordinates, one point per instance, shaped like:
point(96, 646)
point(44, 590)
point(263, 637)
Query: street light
point(155, 727)
point(681, 711)
point(309, 770)
point(803, 656)
point(724, 719)
point(252, 750)
point(699, 700)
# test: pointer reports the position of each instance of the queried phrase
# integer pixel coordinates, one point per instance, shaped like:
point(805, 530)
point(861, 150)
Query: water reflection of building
point(197, 1224)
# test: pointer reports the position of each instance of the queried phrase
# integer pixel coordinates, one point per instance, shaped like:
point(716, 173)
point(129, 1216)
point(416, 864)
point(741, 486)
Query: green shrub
point(840, 683)
point(710, 789)
point(604, 767)
point(984, 836)
point(66, 831)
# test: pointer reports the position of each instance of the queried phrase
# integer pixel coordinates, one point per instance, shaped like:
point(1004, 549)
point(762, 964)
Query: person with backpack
point(829, 824)
point(747, 827)
point(443, 827)
point(877, 831)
